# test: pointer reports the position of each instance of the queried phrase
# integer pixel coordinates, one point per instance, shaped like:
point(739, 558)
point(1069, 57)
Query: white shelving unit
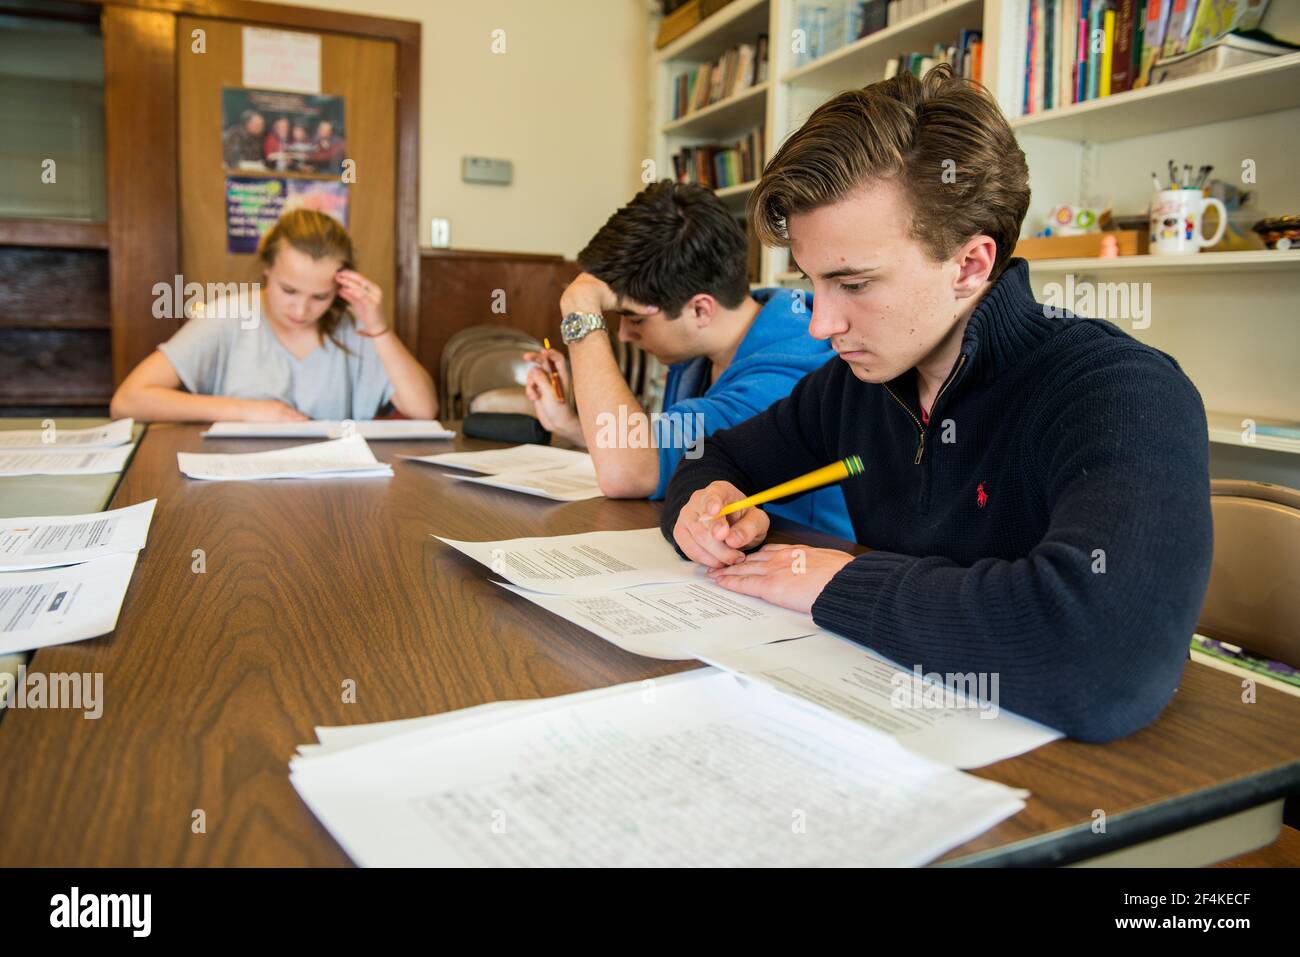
point(1231, 319)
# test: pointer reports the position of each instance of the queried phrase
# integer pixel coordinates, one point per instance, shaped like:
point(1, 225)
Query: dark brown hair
point(673, 241)
point(320, 237)
point(942, 139)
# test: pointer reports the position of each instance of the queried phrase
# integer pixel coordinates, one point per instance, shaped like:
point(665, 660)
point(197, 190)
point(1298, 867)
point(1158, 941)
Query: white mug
point(1176, 218)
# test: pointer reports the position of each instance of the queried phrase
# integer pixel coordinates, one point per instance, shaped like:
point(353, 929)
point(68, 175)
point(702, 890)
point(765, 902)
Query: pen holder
point(505, 427)
point(1176, 219)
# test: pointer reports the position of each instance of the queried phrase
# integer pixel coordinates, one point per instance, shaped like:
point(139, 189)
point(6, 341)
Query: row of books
point(739, 68)
point(720, 166)
point(966, 57)
point(1079, 50)
point(827, 25)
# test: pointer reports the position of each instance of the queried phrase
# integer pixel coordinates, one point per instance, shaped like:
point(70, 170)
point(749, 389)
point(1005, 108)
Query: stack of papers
point(633, 590)
point(331, 429)
point(562, 475)
point(97, 450)
point(45, 599)
point(92, 437)
point(698, 769)
point(341, 458)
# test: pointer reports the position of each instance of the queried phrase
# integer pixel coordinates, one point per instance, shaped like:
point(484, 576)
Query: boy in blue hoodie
point(671, 266)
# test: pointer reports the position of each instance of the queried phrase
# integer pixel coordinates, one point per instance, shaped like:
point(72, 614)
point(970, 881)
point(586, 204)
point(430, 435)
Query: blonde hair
point(320, 237)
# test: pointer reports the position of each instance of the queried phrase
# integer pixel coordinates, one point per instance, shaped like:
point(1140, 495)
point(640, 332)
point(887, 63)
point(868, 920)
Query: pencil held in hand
point(556, 384)
point(826, 475)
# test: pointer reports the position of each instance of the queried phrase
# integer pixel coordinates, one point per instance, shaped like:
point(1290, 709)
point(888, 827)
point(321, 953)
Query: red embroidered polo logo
point(981, 496)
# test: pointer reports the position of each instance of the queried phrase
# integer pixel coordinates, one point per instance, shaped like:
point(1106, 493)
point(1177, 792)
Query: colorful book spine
point(1107, 53)
point(1153, 38)
point(1081, 58)
point(1121, 71)
point(1096, 38)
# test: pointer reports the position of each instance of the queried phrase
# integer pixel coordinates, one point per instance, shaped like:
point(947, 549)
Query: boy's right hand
point(555, 414)
point(270, 410)
point(719, 542)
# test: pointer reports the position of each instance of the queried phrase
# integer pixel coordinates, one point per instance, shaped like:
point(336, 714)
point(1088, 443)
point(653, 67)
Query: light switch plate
point(440, 232)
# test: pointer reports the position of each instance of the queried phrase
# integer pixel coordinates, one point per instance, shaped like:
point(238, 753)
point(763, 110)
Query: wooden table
point(212, 679)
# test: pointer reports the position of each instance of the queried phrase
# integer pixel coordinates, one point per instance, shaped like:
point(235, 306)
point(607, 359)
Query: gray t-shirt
point(214, 354)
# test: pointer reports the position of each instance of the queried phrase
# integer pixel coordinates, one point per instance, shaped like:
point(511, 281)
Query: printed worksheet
point(678, 621)
point(64, 462)
point(91, 437)
point(46, 541)
point(340, 458)
point(959, 723)
point(53, 606)
point(706, 771)
point(584, 563)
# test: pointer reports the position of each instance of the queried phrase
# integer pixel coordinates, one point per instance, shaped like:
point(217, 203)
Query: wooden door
point(361, 71)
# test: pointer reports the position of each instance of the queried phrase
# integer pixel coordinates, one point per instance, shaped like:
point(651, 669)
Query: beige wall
point(567, 103)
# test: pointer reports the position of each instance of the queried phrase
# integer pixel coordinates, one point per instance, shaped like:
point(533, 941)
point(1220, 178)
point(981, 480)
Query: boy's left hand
point(791, 576)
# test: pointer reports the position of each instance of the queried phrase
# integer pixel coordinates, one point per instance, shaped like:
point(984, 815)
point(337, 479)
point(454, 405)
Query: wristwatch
point(577, 325)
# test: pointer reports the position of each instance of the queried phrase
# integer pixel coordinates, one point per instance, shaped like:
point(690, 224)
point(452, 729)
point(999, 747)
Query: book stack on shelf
point(737, 69)
point(718, 167)
point(1074, 51)
point(827, 25)
point(966, 57)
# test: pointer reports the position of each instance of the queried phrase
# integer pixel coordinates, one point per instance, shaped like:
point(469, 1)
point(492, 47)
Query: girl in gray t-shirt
point(310, 343)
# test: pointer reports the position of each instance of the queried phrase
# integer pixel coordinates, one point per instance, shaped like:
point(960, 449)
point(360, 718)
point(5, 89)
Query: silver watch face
point(576, 325)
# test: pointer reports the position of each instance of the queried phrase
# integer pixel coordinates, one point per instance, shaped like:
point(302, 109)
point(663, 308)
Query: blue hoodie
point(775, 354)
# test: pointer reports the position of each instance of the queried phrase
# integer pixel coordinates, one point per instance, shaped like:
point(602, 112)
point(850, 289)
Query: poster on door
point(254, 203)
point(265, 130)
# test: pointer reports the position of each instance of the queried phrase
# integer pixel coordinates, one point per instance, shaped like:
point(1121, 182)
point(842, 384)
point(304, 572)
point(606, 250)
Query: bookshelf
point(1241, 353)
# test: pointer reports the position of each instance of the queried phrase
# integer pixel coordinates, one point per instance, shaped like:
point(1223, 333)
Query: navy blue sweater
point(1050, 525)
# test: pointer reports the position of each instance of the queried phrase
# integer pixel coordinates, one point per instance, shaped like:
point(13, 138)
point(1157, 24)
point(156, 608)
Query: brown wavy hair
point(320, 237)
point(942, 138)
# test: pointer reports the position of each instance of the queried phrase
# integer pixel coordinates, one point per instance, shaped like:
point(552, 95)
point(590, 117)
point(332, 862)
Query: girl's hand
point(269, 410)
point(364, 297)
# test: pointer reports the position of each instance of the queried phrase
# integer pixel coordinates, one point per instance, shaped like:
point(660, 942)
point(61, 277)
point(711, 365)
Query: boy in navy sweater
point(1036, 488)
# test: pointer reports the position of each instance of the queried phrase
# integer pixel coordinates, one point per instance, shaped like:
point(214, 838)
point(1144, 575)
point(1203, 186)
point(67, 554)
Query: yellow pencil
point(835, 472)
point(556, 384)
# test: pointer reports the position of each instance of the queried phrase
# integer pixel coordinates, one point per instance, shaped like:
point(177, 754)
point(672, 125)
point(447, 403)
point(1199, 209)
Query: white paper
point(281, 60)
point(584, 563)
point(55, 438)
point(50, 540)
point(571, 483)
point(88, 462)
point(372, 429)
point(519, 458)
point(339, 458)
point(676, 621)
point(342, 737)
point(53, 606)
point(700, 772)
point(844, 677)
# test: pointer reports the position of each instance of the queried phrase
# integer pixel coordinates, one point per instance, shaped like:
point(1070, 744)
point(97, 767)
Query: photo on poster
point(254, 203)
point(282, 132)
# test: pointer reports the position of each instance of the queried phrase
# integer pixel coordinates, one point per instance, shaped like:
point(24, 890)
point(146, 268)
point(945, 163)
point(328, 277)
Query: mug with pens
point(1178, 211)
